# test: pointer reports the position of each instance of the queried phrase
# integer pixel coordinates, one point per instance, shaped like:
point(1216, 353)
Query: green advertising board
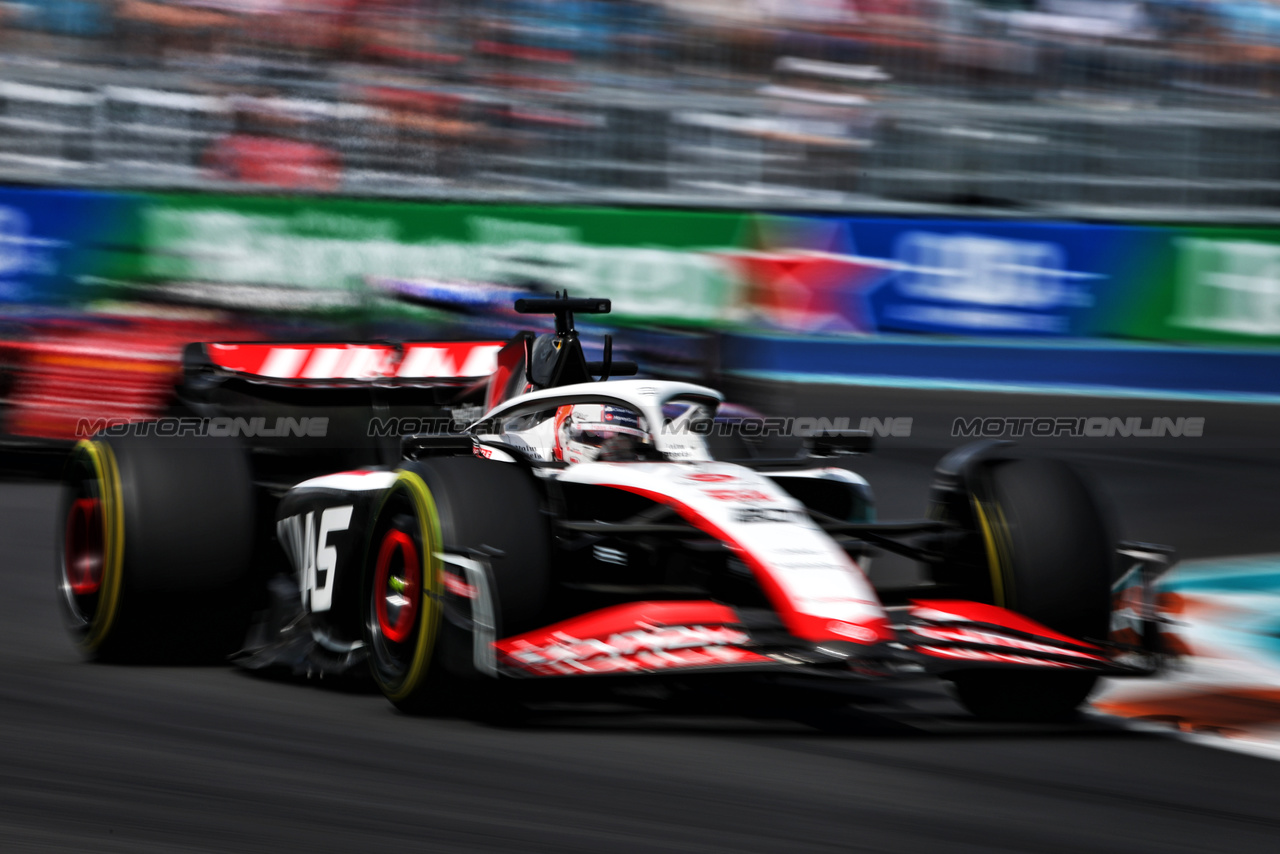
point(1208, 286)
point(656, 266)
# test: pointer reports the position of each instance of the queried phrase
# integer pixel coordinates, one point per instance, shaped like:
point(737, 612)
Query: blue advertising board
point(49, 239)
point(950, 277)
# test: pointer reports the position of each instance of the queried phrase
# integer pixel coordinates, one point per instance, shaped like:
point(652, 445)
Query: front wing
point(937, 637)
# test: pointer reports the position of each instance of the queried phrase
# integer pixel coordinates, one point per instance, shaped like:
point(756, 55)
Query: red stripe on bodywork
point(635, 637)
point(621, 618)
point(992, 615)
point(650, 661)
point(992, 657)
point(990, 637)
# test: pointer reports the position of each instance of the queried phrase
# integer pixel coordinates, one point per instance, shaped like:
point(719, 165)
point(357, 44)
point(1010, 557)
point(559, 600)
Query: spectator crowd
point(394, 97)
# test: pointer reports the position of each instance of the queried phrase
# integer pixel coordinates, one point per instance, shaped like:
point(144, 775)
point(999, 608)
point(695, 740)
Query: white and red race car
point(581, 529)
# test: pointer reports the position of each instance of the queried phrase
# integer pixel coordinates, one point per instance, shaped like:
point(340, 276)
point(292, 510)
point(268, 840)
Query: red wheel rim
point(397, 596)
point(83, 554)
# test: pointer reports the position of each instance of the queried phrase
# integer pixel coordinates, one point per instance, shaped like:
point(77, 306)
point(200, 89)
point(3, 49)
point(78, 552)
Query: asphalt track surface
point(158, 759)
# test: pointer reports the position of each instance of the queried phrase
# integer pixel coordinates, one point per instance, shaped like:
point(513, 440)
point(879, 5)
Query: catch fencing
point(1118, 110)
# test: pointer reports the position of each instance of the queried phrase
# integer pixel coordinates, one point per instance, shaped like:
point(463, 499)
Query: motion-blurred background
point(863, 171)
point(873, 209)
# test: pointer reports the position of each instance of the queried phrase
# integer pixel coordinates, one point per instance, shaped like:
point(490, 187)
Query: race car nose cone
point(861, 633)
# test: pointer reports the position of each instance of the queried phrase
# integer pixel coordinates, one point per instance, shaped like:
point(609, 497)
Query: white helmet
point(583, 430)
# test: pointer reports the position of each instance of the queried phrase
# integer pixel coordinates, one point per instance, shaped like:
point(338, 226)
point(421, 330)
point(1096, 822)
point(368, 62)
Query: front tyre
point(1040, 545)
point(421, 651)
point(402, 592)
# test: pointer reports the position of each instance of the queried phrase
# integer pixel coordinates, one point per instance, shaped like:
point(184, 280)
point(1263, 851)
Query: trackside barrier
point(884, 297)
point(1086, 368)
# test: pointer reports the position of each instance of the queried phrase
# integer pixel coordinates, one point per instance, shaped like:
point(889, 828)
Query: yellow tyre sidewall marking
point(429, 526)
point(994, 528)
point(103, 462)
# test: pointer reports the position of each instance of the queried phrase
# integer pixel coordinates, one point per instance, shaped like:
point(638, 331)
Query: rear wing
point(329, 363)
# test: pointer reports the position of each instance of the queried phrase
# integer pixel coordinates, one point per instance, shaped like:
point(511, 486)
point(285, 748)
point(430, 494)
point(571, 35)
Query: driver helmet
point(583, 431)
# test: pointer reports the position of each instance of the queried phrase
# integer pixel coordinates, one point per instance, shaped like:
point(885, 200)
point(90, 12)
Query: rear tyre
point(1039, 545)
point(155, 544)
point(420, 658)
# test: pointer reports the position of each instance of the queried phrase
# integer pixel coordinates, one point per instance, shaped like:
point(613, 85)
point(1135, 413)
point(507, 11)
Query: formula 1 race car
point(457, 517)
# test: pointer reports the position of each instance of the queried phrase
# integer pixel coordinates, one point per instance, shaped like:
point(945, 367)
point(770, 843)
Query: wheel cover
point(397, 594)
point(83, 544)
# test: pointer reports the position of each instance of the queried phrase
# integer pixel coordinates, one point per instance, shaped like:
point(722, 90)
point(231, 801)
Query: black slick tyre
point(1040, 546)
point(420, 657)
point(154, 543)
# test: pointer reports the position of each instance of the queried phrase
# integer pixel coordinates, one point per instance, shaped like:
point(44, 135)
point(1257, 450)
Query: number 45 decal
point(309, 549)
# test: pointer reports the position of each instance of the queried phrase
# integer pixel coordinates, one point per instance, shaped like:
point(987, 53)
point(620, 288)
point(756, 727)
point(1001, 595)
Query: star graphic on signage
point(805, 275)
